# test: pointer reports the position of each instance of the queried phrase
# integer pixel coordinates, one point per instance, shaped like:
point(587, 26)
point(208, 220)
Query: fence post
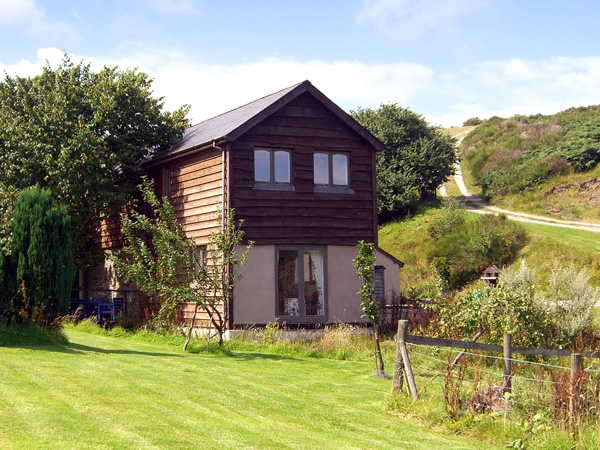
point(410, 379)
point(398, 378)
point(507, 378)
point(576, 365)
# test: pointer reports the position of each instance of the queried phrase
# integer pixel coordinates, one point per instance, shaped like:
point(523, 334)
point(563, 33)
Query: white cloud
point(502, 88)
point(27, 15)
point(409, 19)
point(26, 68)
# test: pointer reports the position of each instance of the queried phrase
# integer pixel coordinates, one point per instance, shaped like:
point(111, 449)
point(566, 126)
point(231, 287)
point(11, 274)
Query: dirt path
point(476, 204)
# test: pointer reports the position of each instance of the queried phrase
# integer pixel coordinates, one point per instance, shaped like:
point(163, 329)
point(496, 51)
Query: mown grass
point(107, 392)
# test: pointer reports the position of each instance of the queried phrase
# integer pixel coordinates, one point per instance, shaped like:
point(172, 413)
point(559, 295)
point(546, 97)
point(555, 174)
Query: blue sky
point(447, 60)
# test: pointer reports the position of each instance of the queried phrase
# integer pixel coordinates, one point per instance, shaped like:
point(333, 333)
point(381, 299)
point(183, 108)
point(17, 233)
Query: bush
point(42, 256)
point(474, 245)
point(449, 217)
point(473, 121)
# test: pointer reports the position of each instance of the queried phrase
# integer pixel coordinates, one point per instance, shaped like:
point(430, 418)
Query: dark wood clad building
point(300, 172)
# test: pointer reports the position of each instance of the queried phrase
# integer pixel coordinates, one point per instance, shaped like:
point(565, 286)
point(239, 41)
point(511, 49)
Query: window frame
point(302, 317)
point(272, 183)
point(330, 187)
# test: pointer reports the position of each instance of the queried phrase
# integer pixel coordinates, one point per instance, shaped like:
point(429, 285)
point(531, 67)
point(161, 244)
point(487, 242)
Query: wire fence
point(477, 380)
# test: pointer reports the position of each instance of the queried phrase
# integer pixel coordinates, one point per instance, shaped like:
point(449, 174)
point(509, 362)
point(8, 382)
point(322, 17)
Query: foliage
point(449, 217)
point(271, 333)
point(535, 319)
point(223, 273)
point(82, 135)
point(42, 258)
point(515, 155)
point(419, 157)
point(159, 257)
point(476, 244)
point(162, 260)
point(369, 304)
point(472, 121)
point(570, 301)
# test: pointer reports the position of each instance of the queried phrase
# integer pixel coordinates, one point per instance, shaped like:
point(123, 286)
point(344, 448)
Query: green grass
point(106, 392)
point(408, 240)
point(549, 244)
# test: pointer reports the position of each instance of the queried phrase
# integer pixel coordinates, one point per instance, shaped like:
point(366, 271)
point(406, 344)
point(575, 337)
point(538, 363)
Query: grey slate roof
point(230, 125)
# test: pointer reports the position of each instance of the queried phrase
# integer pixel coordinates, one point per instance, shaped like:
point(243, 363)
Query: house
point(300, 173)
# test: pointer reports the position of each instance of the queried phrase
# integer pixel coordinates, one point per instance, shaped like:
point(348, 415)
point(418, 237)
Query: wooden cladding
point(304, 216)
point(196, 187)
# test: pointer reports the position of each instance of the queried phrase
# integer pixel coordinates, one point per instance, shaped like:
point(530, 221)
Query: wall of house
point(255, 293)
point(304, 216)
point(195, 188)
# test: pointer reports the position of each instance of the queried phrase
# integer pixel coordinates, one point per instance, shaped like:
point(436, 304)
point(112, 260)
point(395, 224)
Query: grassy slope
point(106, 393)
point(408, 240)
point(571, 205)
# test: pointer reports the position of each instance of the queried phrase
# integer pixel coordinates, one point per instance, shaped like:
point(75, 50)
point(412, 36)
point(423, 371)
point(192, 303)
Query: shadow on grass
point(251, 356)
point(80, 348)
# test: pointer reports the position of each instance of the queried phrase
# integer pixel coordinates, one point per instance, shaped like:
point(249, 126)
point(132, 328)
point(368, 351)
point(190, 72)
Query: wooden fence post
point(507, 378)
point(398, 378)
point(576, 365)
point(410, 379)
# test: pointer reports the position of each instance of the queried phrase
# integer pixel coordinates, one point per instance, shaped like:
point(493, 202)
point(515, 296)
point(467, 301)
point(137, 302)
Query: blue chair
point(118, 304)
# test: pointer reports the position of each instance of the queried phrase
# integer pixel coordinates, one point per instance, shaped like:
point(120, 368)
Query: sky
point(447, 60)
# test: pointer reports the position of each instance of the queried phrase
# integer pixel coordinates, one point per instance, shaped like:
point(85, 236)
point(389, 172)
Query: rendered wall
point(254, 295)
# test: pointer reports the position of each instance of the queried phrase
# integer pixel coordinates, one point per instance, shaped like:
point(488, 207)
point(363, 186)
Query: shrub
point(471, 247)
point(473, 121)
point(41, 252)
point(448, 218)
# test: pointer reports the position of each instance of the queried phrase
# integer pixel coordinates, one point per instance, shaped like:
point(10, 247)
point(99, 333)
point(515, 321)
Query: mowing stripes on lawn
point(110, 393)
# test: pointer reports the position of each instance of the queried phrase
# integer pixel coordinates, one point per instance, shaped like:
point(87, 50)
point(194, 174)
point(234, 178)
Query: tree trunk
point(191, 330)
point(378, 357)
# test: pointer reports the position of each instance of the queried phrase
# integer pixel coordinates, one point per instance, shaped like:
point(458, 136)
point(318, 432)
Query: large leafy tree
point(82, 135)
point(418, 160)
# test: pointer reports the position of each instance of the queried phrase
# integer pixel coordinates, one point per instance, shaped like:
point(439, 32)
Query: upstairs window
point(272, 166)
point(330, 169)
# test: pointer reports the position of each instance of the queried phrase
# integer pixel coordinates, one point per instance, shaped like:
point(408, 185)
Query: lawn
point(105, 392)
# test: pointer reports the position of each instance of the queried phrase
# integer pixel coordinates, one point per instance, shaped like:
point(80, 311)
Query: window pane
point(287, 282)
point(321, 164)
point(313, 283)
point(282, 167)
point(340, 170)
point(262, 165)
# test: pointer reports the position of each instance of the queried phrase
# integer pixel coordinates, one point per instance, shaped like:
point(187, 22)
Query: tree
point(418, 160)
point(82, 135)
point(163, 262)
point(42, 254)
point(222, 270)
point(364, 265)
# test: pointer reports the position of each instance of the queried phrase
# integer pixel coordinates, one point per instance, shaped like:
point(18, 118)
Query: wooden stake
point(410, 379)
point(398, 378)
point(507, 379)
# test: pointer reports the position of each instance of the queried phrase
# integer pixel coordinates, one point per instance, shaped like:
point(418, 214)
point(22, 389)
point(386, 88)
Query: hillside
point(408, 239)
point(542, 164)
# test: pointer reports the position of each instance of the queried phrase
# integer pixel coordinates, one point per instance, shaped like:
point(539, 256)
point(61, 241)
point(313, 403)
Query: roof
point(231, 125)
point(492, 269)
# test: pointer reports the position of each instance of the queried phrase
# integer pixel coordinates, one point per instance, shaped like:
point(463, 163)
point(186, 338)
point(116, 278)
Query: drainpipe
point(224, 180)
point(224, 216)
